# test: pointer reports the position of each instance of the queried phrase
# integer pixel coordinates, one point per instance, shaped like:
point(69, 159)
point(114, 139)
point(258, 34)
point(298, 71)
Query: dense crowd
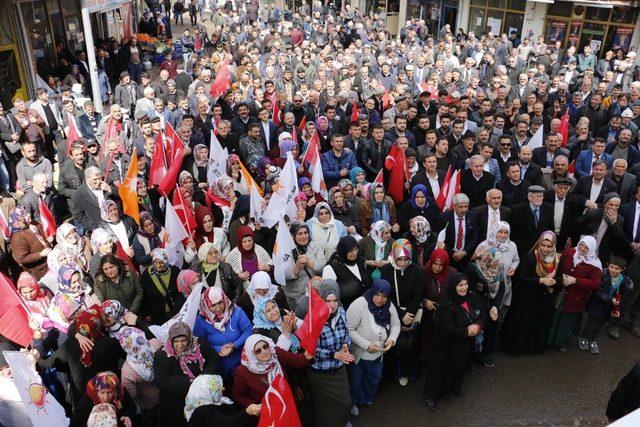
point(479, 194)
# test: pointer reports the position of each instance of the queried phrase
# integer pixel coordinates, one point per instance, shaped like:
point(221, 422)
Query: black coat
point(421, 178)
point(626, 397)
point(223, 415)
point(482, 216)
point(129, 225)
point(410, 287)
point(533, 174)
point(524, 232)
point(613, 241)
point(583, 188)
point(475, 189)
point(174, 384)
point(85, 208)
point(350, 286)
point(431, 212)
point(154, 303)
point(513, 194)
point(229, 280)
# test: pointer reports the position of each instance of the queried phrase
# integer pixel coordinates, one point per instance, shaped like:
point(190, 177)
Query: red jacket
point(588, 279)
point(249, 388)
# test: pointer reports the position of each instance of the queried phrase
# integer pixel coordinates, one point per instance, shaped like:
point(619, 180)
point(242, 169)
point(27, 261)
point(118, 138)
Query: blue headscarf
point(354, 175)
point(382, 315)
point(380, 209)
point(414, 191)
point(260, 321)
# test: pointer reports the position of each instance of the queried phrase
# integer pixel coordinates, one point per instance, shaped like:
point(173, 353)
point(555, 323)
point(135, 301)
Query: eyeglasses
point(261, 349)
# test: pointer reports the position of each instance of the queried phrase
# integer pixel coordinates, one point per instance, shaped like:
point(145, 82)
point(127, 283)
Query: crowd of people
point(535, 247)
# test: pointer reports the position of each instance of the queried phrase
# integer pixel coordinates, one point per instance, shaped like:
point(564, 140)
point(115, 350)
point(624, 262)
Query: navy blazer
point(539, 155)
point(84, 125)
point(628, 212)
point(447, 219)
point(583, 188)
point(273, 136)
point(584, 161)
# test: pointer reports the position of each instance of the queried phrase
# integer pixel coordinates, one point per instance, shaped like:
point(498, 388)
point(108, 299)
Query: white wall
point(462, 21)
point(534, 15)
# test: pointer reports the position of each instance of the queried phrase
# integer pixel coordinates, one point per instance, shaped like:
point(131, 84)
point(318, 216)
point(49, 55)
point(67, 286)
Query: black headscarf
point(346, 245)
point(381, 315)
point(452, 293)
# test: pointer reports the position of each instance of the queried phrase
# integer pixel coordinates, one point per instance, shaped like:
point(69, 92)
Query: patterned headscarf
point(220, 186)
point(99, 237)
point(106, 380)
point(65, 274)
point(40, 303)
point(184, 175)
point(422, 227)
point(493, 236)
point(105, 206)
point(400, 248)
point(115, 311)
point(233, 158)
point(213, 296)
point(17, 219)
point(72, 249)
point(204, 390)
point(186, 280)
point(61, 310)
point(377, 231)
point(89, 325)
point(191, 355)
point(251, 362)
point(139, 352)
point(103, 415)
point(546, 265)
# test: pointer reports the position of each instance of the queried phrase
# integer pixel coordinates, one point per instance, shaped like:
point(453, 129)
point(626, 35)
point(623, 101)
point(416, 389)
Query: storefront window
point(494, 21)
point(624, 15)
point(498, 16)
point(513, 22)
point(597, 14)
point(476, 20)
point(54, 9)
point(500, 4)
point(556, 30)
point(560, 8)
point(33, 13)
point(517, 4)
point(70, 7)
point(592, 35)
point(393, 7)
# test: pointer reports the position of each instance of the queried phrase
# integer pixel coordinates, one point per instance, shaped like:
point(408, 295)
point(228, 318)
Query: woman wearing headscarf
point(423, 240)
point(102, 243)
point(234, 171)
point(309, 260)
point(270, 320)
point(260, 287)
point(358, 179)
point(137, 371)
point(287, 145)
point(247, 258)
point(206, 405)
point(376, 247)
point(150, 236)
point(322, 130)
point(122, 227)
point(55, 259)
point(29, 245)
point(261, 361)
point(325, 230)
point(419, 203)
point(407, 289)
point(343, 211)
point(206, 232)
point(103, 415)
point(72, 295)
point(105, 387)
point(216, 273)
point(196, 164)
point(439, 277)
point(374, 326)
point(350, 195)
point(378, 207)
point(347, 267)
point(186, 281)
point(528, 320)
point(327, 376)
point(225, 204)
point(72, 245)
point(175, 367)
point(116, 281)
point(161, 299)
point(313, 198)
point(581, 275)
point(36, 298)
point(459, 323)
point(223, 325)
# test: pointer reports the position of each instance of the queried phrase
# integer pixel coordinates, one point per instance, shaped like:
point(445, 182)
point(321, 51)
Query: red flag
point(564, 128)
point(386, 100)
point(314, 321)
point(72, 136)
point(444, 189)
point(276, 113)
point(396, 164)
point(170, 179)
point(4, 226)
point(303, 122)
point(47, 221)
point(354, 112)
point(173, 137)
point(14, 317)
point(572, 167)
point(278, 406)
point(452, 190)
point(184, 211)
point(294, 134)
point(122, 255)
point(222, 83)
point(158, 167)
point(380, 177)
point(313, 149)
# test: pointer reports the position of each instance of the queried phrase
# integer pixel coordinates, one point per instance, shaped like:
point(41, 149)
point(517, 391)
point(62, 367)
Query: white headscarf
point(261, 280)
point(591, 258)
point(204, 390)
point(493, 236)
point(139, 352)
point(251, 362)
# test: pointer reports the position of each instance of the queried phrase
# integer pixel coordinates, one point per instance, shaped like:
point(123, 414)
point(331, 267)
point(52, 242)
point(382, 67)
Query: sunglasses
point(261, 349)
point(505, 145)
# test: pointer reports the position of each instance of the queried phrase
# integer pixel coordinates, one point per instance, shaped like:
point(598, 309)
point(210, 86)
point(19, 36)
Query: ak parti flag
point(128, 190)
point(47, 221)
point(4, 226)
point(14, 317)
point(222, 82)
point(564, 128)
point(278, 406)
point(311, 328)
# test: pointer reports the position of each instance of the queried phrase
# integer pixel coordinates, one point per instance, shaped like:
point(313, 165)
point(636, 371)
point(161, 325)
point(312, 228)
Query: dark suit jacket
point(85, 208)
point(476, 190)
point(471, 238)
point(84, 125)
point(533, 174)
point(238, 127)
point(273, 136)
point(613, 241)
point(628, 212)
point(573, 207)
point(583, 188)
point(524, 232)
point(482, 214)
point(627, 187)
point(539, 156)
point(421, 178)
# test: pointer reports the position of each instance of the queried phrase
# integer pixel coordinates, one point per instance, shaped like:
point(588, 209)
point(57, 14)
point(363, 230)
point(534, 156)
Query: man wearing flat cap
point(529, 219)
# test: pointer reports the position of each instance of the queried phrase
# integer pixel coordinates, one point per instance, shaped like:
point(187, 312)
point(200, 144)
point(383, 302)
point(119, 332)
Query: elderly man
point(115, 122)
point(530, 219)
point(475, 181)
point(461, 235)
point(144, 104)
point(87, 200)
point(625, 182)
point(491, 213)
point(37, 192)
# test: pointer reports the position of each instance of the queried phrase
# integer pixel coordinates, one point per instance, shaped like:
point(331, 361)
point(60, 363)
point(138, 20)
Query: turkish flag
point(278, 406)
point(222, 82)
point(314, 321)
point(276, 113)
point(158, 167)
point(184, 211)
point(72, 135)
point(175, 163)
point(564, 128)
point(396, 164)
point(354, 112)
point(47, 221)
point(444, 190)
point(14, 317)
point(122, 255)
point(313, 149)
point(303, 122)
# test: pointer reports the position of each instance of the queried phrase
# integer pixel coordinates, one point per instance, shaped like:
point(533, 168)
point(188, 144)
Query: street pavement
point(552, 389)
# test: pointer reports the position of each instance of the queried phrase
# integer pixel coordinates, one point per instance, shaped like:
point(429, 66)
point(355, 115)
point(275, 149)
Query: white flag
point(284, 192)
point(452, 190)
point(442, 234)
point(255, 204)
point(187, 314)
point(217, 160)
point(176, 234)
point(537, 139)
point(282, 252)
point(318, 183)
point(43, 409)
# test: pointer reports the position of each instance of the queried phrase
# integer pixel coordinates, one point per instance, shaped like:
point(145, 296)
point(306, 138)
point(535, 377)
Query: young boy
point(606, 303)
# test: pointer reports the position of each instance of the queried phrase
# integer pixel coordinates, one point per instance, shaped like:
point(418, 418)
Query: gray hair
point(460, 198)
point(91, 171)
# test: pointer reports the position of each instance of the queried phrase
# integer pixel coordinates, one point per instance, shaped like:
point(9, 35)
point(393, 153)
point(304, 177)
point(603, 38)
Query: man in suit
point(491, 214)
point(430, 176)
point(505, 153)
point(88, 198)
point(461, 235)
point(606, 225)
point(594, 187)
point(588, 157)
point(544, 156)
point(475, 181)
point(372, 153)
point(530, 219)
point(268, 131)
point(514, 189)
point(240, 123)
point(49, 113)
point(528, 171)
point(625, 182)
point(567, 207)
point(89, 121)
point(631, 229)
point(520, 90)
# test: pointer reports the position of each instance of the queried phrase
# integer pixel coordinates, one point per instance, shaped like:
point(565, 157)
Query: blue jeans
point(364, 379)
point(134, 71)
